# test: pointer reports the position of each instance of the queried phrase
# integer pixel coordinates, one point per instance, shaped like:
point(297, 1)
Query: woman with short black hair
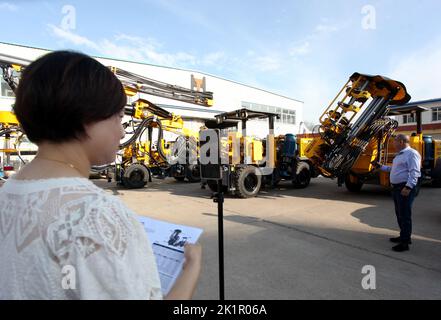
point(62, 237)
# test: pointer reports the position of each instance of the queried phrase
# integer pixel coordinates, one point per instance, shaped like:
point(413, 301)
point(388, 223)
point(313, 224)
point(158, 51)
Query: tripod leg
point(220, 214)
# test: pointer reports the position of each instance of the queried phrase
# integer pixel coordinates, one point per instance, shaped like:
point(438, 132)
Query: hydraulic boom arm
point(352, 120)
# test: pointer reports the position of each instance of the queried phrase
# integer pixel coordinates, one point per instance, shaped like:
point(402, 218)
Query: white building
point(228, 95)
point(430, 119)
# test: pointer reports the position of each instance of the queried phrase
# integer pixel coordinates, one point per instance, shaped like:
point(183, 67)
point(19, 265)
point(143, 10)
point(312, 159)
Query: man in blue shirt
point(404, 174)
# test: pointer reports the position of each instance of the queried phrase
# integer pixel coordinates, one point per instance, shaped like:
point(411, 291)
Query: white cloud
point(130, 48)
point(326, 28)
point(8, 6)
point(300, 49)
point(213, 58)
point(296, 78)
point(420, 71)
point(267, 63)
point(318, 34)
point(135, 39)
point(124, 52)
point(71, 37)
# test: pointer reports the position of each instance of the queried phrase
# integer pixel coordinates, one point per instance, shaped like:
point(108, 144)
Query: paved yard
point(303, 244)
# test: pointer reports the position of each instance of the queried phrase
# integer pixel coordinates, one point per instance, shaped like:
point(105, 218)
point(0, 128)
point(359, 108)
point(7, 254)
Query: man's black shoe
point(401, 247)
point(398, 240)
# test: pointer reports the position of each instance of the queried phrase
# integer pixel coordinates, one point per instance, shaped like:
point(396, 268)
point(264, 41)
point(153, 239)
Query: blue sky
point(302, 49)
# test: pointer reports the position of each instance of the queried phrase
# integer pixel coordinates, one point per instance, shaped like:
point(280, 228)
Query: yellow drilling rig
point(139, 157)
point(356, 131)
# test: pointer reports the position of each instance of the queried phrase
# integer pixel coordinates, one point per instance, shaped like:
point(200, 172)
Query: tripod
point(218, 197)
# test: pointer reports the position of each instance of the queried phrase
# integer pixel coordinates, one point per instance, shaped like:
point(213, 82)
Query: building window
point(287, 116)
point(436, 114)
point(409, 118)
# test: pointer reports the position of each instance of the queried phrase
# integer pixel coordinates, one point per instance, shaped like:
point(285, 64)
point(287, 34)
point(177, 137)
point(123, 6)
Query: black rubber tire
point(303, 176)
point(212, 184)
point(352, 187)
point(135, 176)
point(193, 173)
point(247, 182)
point(179, 176)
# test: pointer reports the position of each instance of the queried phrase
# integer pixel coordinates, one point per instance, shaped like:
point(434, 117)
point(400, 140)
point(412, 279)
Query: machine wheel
point(303, 176)
point(352, 185)
point(177, 174)
point(193, 173)
point(135, 176)
point(212, 184)
point(247, 182)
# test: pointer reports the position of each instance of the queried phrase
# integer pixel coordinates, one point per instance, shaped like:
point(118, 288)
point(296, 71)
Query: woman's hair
point(61, 92)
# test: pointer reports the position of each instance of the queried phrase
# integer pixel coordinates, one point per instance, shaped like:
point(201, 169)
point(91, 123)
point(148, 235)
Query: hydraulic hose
point(342, 159)
point(140, 130)
point(145, 123)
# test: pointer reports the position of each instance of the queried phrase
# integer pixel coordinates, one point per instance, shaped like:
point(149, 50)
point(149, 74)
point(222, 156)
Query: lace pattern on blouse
point(70, 221)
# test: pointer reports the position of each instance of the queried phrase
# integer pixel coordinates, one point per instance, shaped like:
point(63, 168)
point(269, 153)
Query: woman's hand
point(186, 284)
point(193, 255)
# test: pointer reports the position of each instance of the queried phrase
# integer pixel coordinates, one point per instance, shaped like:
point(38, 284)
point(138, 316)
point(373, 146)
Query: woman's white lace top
point(65, 238)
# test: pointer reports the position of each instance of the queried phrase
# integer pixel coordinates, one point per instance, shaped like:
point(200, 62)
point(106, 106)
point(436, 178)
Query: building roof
point(423, 102)
point(166, 67)
point(406, 109)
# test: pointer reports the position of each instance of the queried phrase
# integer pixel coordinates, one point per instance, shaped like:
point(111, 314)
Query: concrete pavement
point(303, 244)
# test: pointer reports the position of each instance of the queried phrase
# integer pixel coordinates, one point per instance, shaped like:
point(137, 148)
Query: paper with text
point(168, 242)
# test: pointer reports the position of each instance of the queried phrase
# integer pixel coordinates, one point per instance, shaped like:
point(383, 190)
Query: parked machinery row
point(139, 159)
point(355, 131)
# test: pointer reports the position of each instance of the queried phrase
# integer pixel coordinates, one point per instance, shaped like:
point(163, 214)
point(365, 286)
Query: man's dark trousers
point(403, 210)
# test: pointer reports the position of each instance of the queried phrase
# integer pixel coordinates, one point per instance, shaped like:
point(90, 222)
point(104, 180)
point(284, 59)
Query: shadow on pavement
point(265, 260)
